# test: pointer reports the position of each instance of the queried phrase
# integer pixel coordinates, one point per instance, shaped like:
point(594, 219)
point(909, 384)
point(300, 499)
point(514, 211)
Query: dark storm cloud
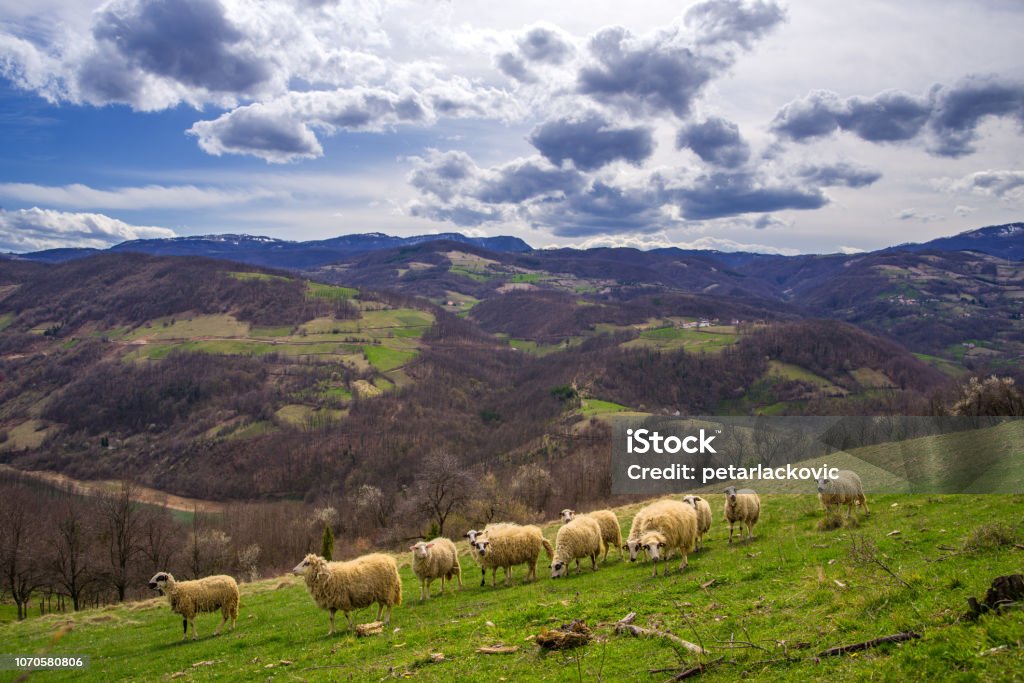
point(603, 209)
point(842, 173)
point(666, 71)
point(733, 21)
point(731, 194)
point(958, 110)
point(541, 44)
point(643, 78)
point(950, 115)
point(514, 67)
point(716, 141)
point(189, 41)
point(591, 142)
point(519, 181)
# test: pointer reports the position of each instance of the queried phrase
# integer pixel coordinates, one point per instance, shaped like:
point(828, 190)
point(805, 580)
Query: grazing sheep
point(208, 594)
point(437, 559)
point(611, 532)
point(703, 517)
point(507, 546)
point(638, 527)
point(581, 537)
point(742, 506)
point(846, 489)
point(669, 525)
point(351, 585)
point(472, 534)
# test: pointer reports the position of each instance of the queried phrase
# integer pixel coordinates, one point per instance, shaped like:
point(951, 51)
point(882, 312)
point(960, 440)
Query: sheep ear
point(430, 545)
point(412, 547)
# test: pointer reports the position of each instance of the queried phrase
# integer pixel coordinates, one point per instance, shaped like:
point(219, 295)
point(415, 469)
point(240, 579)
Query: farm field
point(762, 609)
point(708, 339)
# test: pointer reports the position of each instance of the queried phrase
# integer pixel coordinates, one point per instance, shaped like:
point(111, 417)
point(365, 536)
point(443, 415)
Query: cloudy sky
point(799, 126)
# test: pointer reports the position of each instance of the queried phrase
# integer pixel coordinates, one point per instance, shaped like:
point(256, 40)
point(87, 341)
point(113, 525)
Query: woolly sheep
point(437, 559)
point(472, 534)
point(638, 527)
point(846, 489)
point(703, 516)
point(669, 525)
point(507, 546)
point(352, 585)
point(742, 506)
point(611, 532)
point(208, 594)
point(581, 537)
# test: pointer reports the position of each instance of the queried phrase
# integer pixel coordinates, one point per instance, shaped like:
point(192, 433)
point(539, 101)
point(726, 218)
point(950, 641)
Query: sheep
point(669, 525)
point(208, 594)
point(742, 506)
point(703, 516)
point(846, 489)
point(437, 559)
point(611, 532)
point(638, 527)
point(472, 534)
point(352, 585)
point(507, 546)
point(581, 537)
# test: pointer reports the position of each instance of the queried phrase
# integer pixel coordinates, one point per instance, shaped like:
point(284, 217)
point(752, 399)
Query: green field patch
point(365, 389)
point(943, 365)
point(28, 434)
point(179, 327)
point(592, 407)
point(385, 359)
point(530, 278)
point(709, 339)
point(795, 372)
point(537, 349)
point(271, 331)
point(5, 321)
point(262, 277)
point(308, 417)
point(319, 290)
point(792, 584)
point(871, 378)
point(252, 430)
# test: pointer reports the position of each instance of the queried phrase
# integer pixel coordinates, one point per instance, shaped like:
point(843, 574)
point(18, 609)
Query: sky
point(783, 127)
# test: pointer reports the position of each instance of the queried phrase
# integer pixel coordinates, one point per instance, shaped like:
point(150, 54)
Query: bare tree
point(159, 538)
point(441, 486)
point(71, 564)
point(22, 570)
point(120, 517)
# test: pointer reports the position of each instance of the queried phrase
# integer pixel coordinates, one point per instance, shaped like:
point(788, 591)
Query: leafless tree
point(120, 518)
point(71, 563)
point(441, 486)
point(22, 569)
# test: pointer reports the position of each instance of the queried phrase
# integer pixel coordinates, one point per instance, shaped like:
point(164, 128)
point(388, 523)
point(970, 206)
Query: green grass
point(945, 366)
point(384, 359)
point(177, 327)
point(263, 277)
point(792, 583)
point(537, 349)
point(591, 407)
point(795, 372)
point(318, 290)
point(530, 277)
point(5, 321)
point(709, 339)
point(478, 275)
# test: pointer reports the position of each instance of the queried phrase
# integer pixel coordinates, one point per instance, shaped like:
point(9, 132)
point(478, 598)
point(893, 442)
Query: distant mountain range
point(1002, 241)
point(268, 251)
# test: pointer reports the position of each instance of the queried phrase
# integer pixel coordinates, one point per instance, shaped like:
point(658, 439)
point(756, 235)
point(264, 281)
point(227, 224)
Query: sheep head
point(559, 568)
point(160, 581)
point(568, 515)
point(421, 549)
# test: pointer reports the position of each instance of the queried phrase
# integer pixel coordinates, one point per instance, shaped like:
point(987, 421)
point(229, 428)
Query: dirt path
point(142, 494)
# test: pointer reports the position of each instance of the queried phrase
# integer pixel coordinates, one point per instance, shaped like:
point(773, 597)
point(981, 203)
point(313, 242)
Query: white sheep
point(846, 489)
point(742, 506)
point(507, 546)
point(611, 532)
point(437, 559)
point(472, 534)
point(208, 594)
point(352, 585)
point(581, 537)
point(704, 516)
point(669, 525)
point(632, 544)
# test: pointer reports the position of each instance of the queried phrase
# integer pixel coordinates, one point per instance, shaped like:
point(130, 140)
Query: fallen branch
point(868, 644)
point(694, 670)
point(498, 649)
point(625, 625)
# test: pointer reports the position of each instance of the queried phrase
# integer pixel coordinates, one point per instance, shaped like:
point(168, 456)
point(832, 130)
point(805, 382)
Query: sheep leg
point(351, 623)
point(750, 531)
point(332, 611)
point(387, 617)
point(380, 610)
point(864, 502)
point(508, 575)
point(184, 628)
point(424, 593)
point(223, 620)
point(494, 577)
point(685, 563)
point(195, 636)
point(730, 532)
point(593, 561)
point(655, 563)
point(483, 577)
point(442, 586)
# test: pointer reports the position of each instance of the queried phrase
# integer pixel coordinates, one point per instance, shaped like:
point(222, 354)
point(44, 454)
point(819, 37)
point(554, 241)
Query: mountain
point(267, 251)
point(1004, 241)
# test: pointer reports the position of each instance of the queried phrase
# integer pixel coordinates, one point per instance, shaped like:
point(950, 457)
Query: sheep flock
point(658, 531)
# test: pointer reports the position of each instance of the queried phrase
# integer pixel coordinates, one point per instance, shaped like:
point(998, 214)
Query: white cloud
point(34, 229)
point(78, 196)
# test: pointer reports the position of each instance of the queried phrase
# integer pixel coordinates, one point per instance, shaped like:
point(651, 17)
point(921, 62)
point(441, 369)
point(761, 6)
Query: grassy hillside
point(763, 609)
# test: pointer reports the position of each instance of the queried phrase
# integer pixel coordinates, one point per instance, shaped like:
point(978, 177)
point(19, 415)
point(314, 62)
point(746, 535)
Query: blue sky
point(803, 126)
